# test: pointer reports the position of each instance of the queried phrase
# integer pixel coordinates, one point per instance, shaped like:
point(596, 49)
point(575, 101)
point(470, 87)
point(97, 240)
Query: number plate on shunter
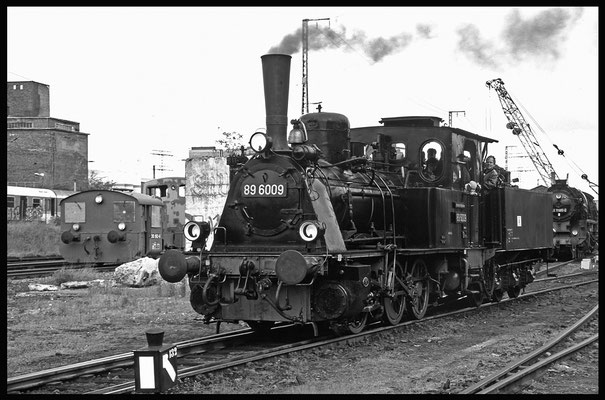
point(257, 189)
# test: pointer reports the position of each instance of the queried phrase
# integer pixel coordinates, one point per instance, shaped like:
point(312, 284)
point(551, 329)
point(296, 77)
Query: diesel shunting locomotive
point(114, 226)
point(339, 227)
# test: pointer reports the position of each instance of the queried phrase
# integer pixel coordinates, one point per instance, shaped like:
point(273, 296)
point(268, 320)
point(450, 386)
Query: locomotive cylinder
point(276, 78)
point(340, 299)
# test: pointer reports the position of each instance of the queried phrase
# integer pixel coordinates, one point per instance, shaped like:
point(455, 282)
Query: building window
point(10, 202)
point(20, 87)
point(14, 87)
point(64, 127)
point(20, 124)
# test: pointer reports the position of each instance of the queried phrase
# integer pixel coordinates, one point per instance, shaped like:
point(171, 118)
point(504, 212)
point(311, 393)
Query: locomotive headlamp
point(121, 226)
point(574, 232)
point(259, 142)
point(99, 199)
point(298, 134)
point(197, 232)
point(192, 231)
point(75, 227)
point(558, 196)
point(311, 230)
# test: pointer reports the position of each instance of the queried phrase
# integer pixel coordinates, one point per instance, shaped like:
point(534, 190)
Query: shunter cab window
point(158, 191)
point(431, 154)
point(156, 216)
point(75, 212)
point(123, 211)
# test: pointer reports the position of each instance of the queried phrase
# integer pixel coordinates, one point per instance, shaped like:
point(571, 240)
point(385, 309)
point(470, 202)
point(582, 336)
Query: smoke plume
point(539, 38)
point(323, 38)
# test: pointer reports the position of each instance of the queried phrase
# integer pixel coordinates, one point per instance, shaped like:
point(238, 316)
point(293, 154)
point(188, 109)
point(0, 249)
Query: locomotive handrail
point(224, 235)
point(392, 208)
point(384, 213)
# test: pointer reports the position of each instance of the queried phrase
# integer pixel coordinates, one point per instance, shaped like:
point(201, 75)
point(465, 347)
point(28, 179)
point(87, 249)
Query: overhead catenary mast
point(305, 63)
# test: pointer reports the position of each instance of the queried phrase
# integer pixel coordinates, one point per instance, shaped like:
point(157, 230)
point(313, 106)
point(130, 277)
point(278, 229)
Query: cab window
point(431, 156)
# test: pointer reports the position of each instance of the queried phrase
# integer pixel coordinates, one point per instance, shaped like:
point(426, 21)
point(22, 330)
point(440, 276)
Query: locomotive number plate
point(255, 189)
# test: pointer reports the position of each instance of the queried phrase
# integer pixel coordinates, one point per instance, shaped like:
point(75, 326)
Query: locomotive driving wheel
point(514, 291)
point(417, 278)
point(352, 325)
point(357, 324)
point(395, 305)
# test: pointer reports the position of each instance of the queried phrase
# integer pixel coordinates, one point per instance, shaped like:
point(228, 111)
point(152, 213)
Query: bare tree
point(95, 181)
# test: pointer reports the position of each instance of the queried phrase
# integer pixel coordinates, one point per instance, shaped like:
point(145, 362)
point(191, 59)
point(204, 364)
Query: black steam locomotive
point(575, 221)
point(339, 227)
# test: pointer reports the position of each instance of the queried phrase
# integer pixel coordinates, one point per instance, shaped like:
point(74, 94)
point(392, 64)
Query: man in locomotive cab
point(433, 165)
point(463, 175)
point(490, 174)
point(398, 159)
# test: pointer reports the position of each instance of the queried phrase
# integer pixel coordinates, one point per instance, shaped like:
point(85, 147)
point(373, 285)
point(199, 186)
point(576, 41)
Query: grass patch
point(48, 329)
point(28, 239)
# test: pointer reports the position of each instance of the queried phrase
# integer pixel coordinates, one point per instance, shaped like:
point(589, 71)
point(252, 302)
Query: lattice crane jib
point(520, 128)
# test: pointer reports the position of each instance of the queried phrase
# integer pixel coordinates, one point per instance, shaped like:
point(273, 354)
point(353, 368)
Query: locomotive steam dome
point(330, 132)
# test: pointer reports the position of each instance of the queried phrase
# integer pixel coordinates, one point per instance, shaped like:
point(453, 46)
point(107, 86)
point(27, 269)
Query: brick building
point(42, 151)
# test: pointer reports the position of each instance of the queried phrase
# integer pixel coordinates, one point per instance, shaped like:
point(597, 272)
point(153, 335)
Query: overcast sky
point(142, 79)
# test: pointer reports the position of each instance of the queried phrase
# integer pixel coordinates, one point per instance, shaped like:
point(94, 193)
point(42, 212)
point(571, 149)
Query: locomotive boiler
point(338, 227)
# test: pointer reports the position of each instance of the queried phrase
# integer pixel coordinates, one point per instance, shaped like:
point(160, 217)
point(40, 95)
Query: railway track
point(32, 266)
point(205, 355)
point(509, 379)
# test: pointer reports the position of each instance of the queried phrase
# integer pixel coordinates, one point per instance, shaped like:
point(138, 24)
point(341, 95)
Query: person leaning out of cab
point(490, 174)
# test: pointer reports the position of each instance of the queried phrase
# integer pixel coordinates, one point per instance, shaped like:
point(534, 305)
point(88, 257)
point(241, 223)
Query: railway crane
point(519, 127)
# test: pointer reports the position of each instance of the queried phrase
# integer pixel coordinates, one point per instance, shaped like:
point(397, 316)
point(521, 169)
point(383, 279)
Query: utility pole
point(305, 63)
point(162, 154)
point(455, 112)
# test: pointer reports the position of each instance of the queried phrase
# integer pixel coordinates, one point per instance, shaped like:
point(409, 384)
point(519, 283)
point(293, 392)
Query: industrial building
point(42, 151)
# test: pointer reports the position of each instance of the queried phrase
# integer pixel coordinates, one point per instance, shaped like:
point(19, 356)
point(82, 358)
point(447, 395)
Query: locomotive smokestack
point(276, 78)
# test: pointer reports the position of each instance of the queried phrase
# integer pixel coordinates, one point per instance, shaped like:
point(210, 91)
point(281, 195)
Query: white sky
point(140, 79)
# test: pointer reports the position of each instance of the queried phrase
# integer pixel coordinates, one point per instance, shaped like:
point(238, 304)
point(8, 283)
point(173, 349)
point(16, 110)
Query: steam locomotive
point(339, 227)
point(575, 221)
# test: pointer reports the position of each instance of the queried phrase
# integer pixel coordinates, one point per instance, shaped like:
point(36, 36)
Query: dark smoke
point(324, 37)
point(539, 38)
point(424, 31)
point(471, 43)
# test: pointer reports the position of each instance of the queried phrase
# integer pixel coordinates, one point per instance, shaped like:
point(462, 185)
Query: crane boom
point(521, 128)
